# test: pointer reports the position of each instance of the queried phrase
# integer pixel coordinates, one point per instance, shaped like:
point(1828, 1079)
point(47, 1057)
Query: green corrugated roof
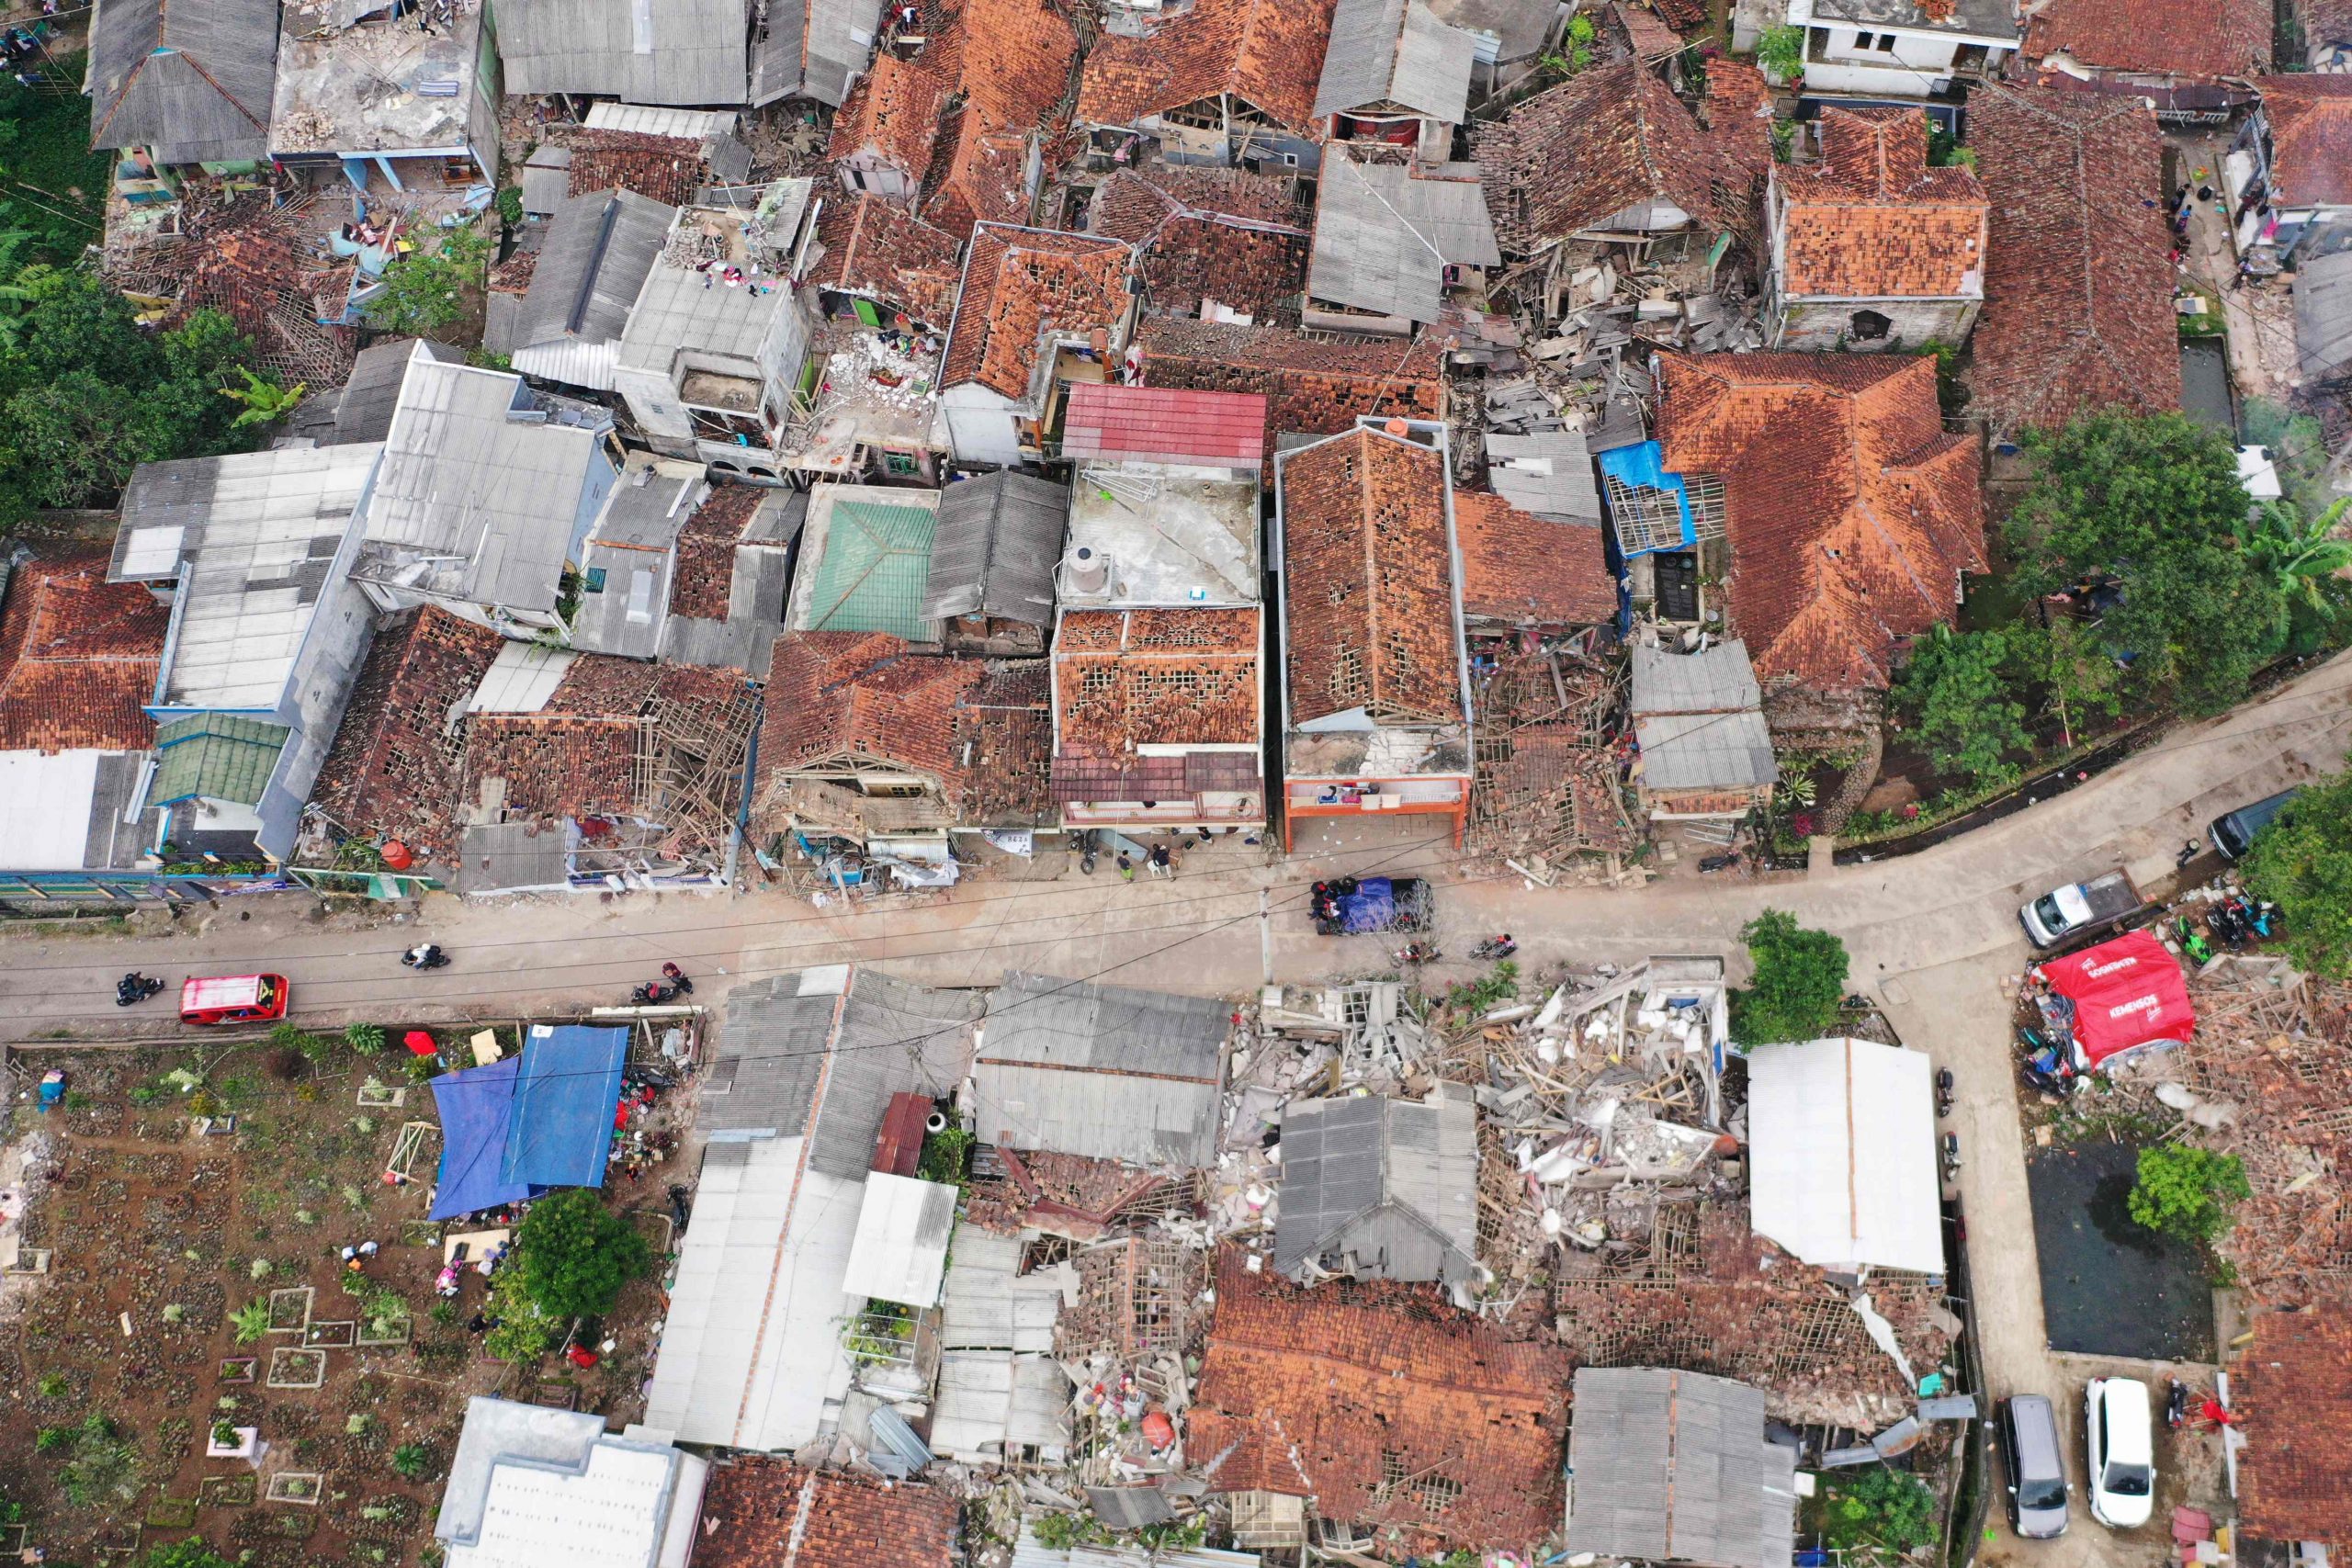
point(878, 562)
point(219, 756)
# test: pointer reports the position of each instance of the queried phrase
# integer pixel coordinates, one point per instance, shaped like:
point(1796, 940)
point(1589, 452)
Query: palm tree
point(2299, 555)
point(13, 295)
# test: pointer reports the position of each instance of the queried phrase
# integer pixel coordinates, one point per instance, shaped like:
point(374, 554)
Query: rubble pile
point(2268, 1078)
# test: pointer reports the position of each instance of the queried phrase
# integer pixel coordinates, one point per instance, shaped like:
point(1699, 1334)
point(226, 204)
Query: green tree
point(2303, 558)
point(2302, 863)
point(1799, 981)
point(574, 1255)
point(1878, 1512)
point(2078, 680)
point(2154, 500)
point(1957, 689)
point(261, 400)
point(1781, 52)
point(524, 1334)
point(2186, 1192)
point(432, 286)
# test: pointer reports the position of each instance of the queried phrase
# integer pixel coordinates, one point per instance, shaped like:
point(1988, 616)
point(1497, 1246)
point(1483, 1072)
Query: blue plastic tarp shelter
point(564, 1103)
point(1370, 907)
point(477, 1108)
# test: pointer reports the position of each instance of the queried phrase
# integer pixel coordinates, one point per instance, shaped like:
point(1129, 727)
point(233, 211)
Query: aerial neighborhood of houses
point(1074, 562)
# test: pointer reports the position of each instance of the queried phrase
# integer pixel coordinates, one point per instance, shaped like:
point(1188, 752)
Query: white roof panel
point(521, 679)
point(1842, 1157)
point(900, 1252)
point(46, 825)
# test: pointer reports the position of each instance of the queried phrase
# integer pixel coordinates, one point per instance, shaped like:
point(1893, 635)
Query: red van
point(234, 998)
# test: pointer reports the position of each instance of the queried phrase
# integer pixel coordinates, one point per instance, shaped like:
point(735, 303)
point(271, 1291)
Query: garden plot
point(223, 1253)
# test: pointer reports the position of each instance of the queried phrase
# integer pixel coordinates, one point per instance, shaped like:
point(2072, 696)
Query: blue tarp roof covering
point(1644, 468)
point(564, 1103)
point(477, 1107)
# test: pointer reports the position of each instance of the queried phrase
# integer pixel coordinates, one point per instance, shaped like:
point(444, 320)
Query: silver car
point(2037, 1467)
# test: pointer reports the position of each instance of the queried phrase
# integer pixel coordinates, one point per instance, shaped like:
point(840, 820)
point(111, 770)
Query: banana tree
point(2301, 553)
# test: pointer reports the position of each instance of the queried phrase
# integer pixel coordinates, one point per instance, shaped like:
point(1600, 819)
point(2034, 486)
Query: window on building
point(1886, 44)
point(1863, 40)
point(1868, 326)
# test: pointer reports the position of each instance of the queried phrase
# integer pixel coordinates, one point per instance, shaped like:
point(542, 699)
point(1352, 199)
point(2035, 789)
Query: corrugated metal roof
point(1347, 1162)
point(988, 1304)
point(483, 493)
point(259, 532)
point(1705, 750)
point(1165, 424)
point(677, 51)
point(1672, 1466)
point(1715, 680)
point(2323, 314)
point(499, 857)
point(192, 83)
point(999, 537)
point(900, 1251)
point(627, 565)
point(1842, 1170)
point(547, 179)
point(1390, 52)
point(1108, 1072)
point(591, 266)
point(1029, 1553)
point(1384, 235)
point(688, 125)
point(1549, 475)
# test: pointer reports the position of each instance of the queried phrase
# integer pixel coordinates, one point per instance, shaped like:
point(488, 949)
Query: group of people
point(1159, 861)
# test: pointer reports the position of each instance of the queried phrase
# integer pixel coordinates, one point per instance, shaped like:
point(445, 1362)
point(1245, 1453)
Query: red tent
point(2127, 993)
point(419, 1043)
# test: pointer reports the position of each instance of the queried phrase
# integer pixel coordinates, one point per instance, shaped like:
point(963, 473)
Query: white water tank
point(1086, 571)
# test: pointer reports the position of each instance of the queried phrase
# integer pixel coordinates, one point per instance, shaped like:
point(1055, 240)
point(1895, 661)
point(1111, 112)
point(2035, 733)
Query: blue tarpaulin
point(477, 1106)
point(1370, 907)
point(564, 1102)
point(1642, 468)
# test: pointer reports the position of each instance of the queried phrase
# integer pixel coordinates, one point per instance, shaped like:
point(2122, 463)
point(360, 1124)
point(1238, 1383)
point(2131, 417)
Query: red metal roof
point(1165, 424)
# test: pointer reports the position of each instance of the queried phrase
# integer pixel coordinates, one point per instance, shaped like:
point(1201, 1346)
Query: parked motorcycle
point(2264, 917)
point(2197, 947)
point(2177, 1405)
point(678, 980)
point(1951, 1154)
point(428, 956)
point(1088, 843)
point(1944, 1090)
point(135, 987)
point(1719, 862)
point(2221, 922)
point(1495, 947)
point(653, 993)
point(1416, 953)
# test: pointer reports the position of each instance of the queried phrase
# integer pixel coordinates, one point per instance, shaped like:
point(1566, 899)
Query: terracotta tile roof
point(1165, 424)
point(1369, 580)
point(514, 274)
point(873, 246)
point(768, 1512)
point(2172, 38)
point(1851, 513)
point(985, 179)
point(2078, 276)
point(1268, 53)
point(577, 756)
point(1209, 234)
point(837, 693)
point(2310, 138)
point(1011, 60)
point(1527, 569)
point(2293, 1388)
point(1386, 1405)
point(1311, 388)
point(1574, 156)
point(662, 168)
point(1130, 678)
point(1017, 284)
point(79, 657)
point(394, 769)
point(705, 574)
point(893, 110)
point(1005, 729)
point(1873, 221)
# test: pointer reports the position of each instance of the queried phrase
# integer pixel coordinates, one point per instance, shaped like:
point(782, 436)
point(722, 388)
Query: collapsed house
point(1390, 241)
point(1103, 1072)
point(406, 110)
point(1219, 244)
point(2191, 62)
point(1380, 1188)
point(1219, 81)
point(1359, 1401)
point(762, 1511)
point(2292, 1391)
point(1549, 791)
point(2286, 176)
point(1038, 311)
point(602, 773)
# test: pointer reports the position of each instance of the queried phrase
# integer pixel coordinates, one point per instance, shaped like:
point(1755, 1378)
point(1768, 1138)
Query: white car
point(2122, 1439)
